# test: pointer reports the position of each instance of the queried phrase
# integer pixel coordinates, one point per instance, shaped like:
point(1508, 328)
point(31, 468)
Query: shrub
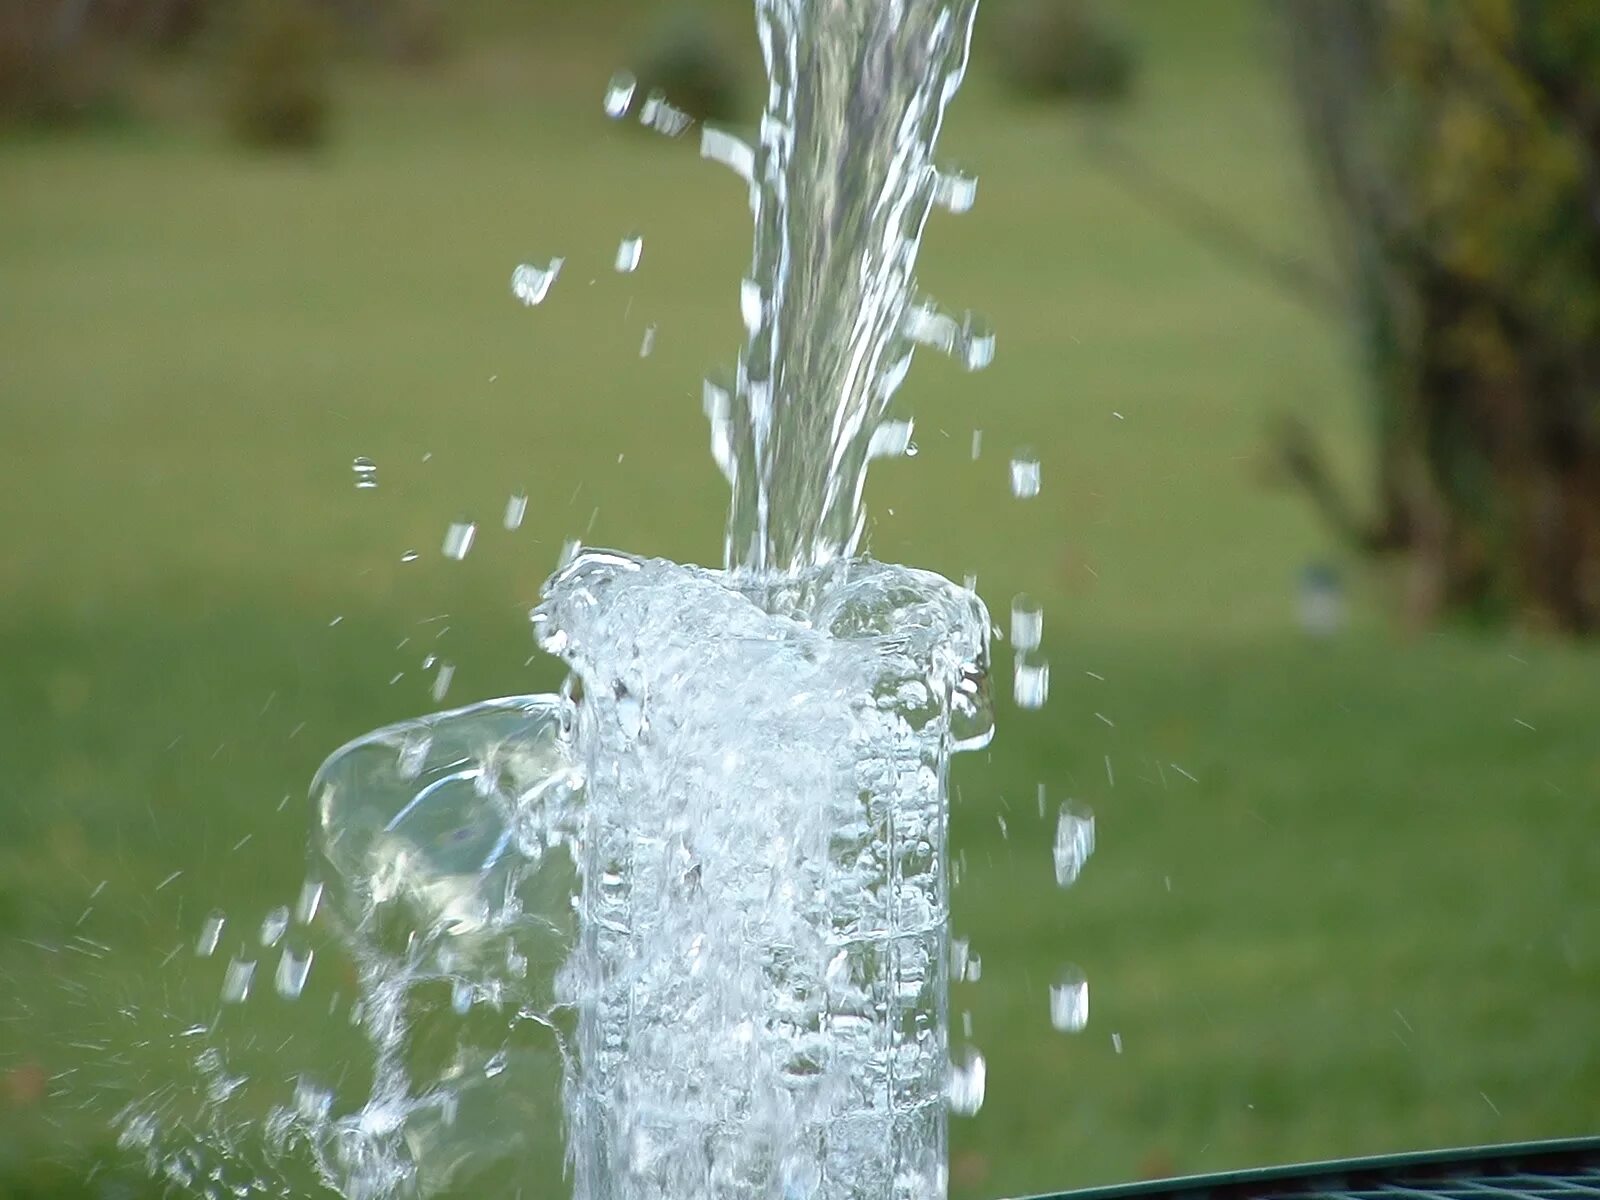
point(277, 90)
point(686, 59)
point(1064, 49)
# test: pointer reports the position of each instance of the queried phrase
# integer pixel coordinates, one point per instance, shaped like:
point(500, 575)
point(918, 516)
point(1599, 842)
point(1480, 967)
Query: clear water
point(760, 976)
point(706, 891)
point(841, 183)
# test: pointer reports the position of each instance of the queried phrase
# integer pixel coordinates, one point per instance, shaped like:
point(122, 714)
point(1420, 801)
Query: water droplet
point(974, 970)
point(460, 997)
point(236, 981)
point(441, 681)
point(955, 191)
point(975, 343)
point(210, 933)
point(750, 304)
point(294, 965)
point(1116, 1042)
point(309, 900)
point(928, 326)
point(968, 1077)
point(1027, 622)
point(1074, 843)
point(409, 556)
point(1024, 474)
point(977, 444)
point(649, 342)
point(658, 114)
point(569, 551)
point(458, 539)
point(274, 924)
point(1069, 999)
point(516, 509)
point(366, 472)
point(310, 1101)
point(496, 1064)
point(736, 154)
point(891, 439)
point(619, 94)
point(1031, 683)
point(629, 252)
point(531, 284)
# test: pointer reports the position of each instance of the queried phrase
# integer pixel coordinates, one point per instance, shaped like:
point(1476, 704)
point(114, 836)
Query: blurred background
point(1297, 302)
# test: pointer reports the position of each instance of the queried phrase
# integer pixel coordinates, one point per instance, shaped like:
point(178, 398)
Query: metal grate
point(1555, 1170)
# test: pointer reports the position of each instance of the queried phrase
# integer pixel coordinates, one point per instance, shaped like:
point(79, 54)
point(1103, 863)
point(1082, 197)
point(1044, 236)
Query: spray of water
point(711, 879)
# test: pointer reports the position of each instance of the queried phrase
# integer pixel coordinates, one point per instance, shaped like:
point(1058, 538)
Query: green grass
point(1370, 921)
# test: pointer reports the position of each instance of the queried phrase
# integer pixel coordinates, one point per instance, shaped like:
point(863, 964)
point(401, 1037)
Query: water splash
point(762, 986)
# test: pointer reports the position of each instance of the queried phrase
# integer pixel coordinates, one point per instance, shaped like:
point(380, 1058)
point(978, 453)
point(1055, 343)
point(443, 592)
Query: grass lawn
point(1347, 894)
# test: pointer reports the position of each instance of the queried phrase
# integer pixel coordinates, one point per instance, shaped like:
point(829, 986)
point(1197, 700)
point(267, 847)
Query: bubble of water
point(274, 924)
point(366, 472)
point(210, 933)
point(531, 284)
point(1074, 843)
point(977, 444)
point(968, 1079)
point(1031, 679)
point(441, 682)
point(1024, 474)
point(974, 966)
point(619, 94)
point(236, 980)
point(516, 510)
point(410, 556)
point(629, 251)
point(309, 900)
point(1069, 999)
point(1027, 622)
point(458, 539)
point(294, 966)
point(648, 343)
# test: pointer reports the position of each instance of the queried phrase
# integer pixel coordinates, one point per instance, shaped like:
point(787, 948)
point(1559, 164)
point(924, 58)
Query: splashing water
point(713, 876)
